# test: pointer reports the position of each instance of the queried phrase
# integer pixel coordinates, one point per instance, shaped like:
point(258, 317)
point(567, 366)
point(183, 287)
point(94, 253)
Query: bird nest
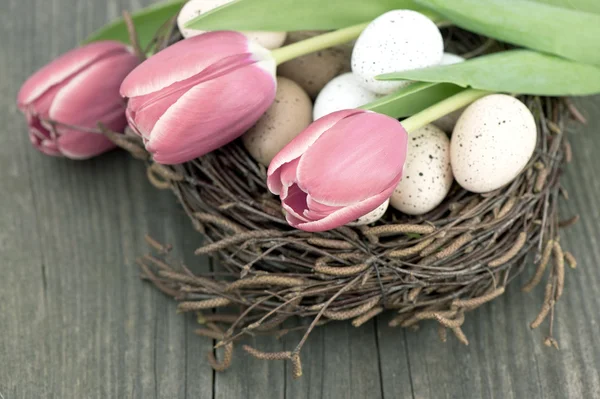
point(432, 267)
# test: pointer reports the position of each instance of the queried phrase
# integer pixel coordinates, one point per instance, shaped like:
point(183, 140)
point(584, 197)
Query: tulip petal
point(75, 144)
point(344, 215)
point(182, 61)
point(303, 141)
point(66, 66)
point(93, 93)
point(81, 145)
point(295, 203)
point(211, 115)
point(146, 110)
point(287, 177)
point(361, 155)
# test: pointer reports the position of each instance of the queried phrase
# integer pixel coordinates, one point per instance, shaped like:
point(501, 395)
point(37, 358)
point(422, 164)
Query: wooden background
point(76, 322)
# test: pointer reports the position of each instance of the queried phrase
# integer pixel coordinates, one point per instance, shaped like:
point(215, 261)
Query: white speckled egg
point(427, 175)
point(449, 59)
point(343, 92)
point(194, 8)
point(398, 40)
point(492, 143)
point(290, 114)
point(447, 122)
point(372, 216)
point(313, 71)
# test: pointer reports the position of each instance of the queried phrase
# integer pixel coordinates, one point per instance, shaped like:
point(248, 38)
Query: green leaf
point(514, 71)
point(581, 5)
point(412, 99)
point(288, 15)
point(568, 33)
point(147, 22)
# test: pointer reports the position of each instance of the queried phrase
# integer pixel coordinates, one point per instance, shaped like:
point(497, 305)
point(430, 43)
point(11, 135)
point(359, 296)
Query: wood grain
point(76, 321)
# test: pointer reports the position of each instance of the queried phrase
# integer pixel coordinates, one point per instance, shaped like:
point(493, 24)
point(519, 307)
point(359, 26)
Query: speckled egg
point(449, 59)
point(398, 40)
point(290, 114)
point(492, 143)
point(343, 92)
point(315, 70)
point(194, 8)
point(447, 122)
point(427, 175)
point(372, 216)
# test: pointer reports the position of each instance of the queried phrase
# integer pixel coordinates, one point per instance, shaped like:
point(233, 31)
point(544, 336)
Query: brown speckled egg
point(290, 113)
point(427, 175)
point(314, 71)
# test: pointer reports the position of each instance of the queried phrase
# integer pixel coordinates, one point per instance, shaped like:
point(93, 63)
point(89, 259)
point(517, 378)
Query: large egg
point(343, 92)
point(398, 40)
point(492, 143)
point(447, 122)
point(313, 71)
point(290, 114)
point(427, 174)
point(194, 8)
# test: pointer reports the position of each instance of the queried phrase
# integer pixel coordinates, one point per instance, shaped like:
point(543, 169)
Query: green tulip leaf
point(514, 71)
point(561, 31)
point(412, 99)
point(581, 5)
point(147, 22)
point(289, 15)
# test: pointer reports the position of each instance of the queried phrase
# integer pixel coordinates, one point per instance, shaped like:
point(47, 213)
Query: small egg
point(398, 40)
point(372, 216)
point(447, 122)
point(193, 8)
point(313, 71)
point(492, 143)
point(343, 92)
point(290, 114)
point(427, 174)
point(449, 59)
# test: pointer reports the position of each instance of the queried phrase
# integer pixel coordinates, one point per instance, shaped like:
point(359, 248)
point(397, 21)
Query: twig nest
point(372, 216)
point(343, 92)
point(194, 8)
point(290, 114)
point(447, 122)
point(313, 71)
point(427, 175)
point(492, 143)
point(398, 40)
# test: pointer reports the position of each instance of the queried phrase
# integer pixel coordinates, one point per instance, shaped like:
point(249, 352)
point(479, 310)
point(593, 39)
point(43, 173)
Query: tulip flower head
point(340, 168)
point(65, 100)
point(199, 94)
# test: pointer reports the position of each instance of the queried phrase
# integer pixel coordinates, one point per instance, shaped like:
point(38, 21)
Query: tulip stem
point(317, 43)
point(442, 108)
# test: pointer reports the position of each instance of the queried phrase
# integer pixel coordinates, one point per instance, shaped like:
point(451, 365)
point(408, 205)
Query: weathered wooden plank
point(252, 378)
point(339, 361)
point(76, 320)
point(505, 359)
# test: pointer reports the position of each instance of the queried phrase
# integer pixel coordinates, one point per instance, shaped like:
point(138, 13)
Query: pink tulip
point(340, 168)
point(199, 94)
point(65, 100)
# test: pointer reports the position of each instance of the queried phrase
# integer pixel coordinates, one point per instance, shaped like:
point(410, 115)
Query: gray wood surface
point(76, 322)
